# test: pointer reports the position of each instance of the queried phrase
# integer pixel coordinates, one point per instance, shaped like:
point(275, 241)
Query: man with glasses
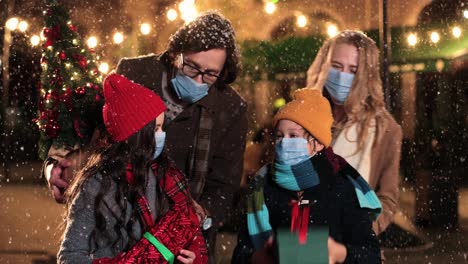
point(206, 119)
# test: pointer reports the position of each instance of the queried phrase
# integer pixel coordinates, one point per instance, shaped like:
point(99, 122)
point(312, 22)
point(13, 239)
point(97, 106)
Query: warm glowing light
point(35, 40)
point(172, 14)
point(184, 5)
point(104, 68)
point(118, 38)
point(465, 14)
point(270, 8)
point(301, 21)
point(23, 26)
point(332, 30)
point(412, 39)
point(189, 15)
point(188, 10)
point(145, 28)
point(435, 37)
point(12, 23)
point(92, 42)
point(456, 31)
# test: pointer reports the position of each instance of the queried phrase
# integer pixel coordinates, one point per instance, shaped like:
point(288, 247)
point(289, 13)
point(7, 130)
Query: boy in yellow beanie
point(309, 205)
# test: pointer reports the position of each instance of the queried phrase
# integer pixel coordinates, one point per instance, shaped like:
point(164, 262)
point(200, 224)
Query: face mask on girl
point(160, 138)
point(189, 90)
point(291, 151)
point(339, 84)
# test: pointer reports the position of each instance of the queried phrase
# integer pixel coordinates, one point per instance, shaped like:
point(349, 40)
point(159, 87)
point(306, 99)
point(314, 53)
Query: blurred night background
point(427, 92)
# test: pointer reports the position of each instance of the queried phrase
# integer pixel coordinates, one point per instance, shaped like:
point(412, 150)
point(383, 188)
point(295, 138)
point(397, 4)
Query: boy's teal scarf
point(295, 178)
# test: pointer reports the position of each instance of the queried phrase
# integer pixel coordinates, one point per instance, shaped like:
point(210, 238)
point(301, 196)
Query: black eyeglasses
point(192, 72)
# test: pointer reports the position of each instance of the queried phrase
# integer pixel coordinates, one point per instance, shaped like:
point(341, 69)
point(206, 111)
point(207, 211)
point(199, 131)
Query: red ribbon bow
point(300, 219)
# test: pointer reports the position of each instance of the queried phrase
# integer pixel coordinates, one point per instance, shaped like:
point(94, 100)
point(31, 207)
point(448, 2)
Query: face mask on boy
point(291, 151)
point(189, 90)
point(160, 138)
point(339, 84)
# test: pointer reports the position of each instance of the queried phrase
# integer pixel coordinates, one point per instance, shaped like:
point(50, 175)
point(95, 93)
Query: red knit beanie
point(128, 106)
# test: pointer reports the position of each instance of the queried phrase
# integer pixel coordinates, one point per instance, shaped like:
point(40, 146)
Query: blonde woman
point(346, 69)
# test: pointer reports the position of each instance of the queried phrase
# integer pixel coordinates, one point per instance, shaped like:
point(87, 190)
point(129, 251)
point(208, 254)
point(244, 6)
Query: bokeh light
point(270, 8)
point(301, 21)
point(12, 23)
point(145, 28)
point(412, 39)
point(92, 42)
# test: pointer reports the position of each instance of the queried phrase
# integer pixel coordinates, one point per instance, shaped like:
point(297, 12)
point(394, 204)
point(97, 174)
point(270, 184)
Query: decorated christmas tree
point(70, 91)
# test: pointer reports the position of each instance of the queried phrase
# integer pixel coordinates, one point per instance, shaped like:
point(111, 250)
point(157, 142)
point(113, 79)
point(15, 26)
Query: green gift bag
point(314, 251)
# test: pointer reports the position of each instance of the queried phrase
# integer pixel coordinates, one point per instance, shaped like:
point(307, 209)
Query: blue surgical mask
point(160, 138)
point(291, 151)
point(189, 90)
point(339, 84)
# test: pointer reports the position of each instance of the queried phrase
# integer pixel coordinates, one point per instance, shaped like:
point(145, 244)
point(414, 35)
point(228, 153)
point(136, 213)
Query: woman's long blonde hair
point(365, 102)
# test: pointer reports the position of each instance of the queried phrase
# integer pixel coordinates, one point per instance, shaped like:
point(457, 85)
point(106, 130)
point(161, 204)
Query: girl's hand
point(336, 252)
point(186, 256)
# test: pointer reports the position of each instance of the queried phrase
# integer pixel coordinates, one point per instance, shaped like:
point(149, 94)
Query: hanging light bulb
point(23, 26)
point(412, 39)
point(12, 23)
point(104, 67)
point(301, 21)
point(145, 28)
point(35, 40)
point(118, 38)
point(456, 31)
point(92, 42)
point(172, 14)
point(270, 8)
point(435, 37)
point(188, 10)
point(332, 30)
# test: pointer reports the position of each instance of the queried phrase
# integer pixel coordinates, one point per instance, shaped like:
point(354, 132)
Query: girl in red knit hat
point(130, 204)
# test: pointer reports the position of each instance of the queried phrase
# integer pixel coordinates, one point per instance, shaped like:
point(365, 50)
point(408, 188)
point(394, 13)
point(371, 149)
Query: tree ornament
point(52, 129)
point(48, 43)
point(83, 63)
point(46, 32)
point(62, 55)
point(72, 27)
point(80, 91)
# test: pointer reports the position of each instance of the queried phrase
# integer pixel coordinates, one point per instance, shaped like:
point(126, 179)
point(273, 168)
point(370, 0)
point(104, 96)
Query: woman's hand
point(336, 252)
point(186, 256)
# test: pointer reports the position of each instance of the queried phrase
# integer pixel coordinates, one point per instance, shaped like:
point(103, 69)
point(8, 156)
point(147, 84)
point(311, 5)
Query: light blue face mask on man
point(189, 90)
point(160, 138)
point(339, 84)
point(291, 151)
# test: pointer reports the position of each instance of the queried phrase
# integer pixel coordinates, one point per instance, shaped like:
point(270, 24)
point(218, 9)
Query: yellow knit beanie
point(310, 110)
